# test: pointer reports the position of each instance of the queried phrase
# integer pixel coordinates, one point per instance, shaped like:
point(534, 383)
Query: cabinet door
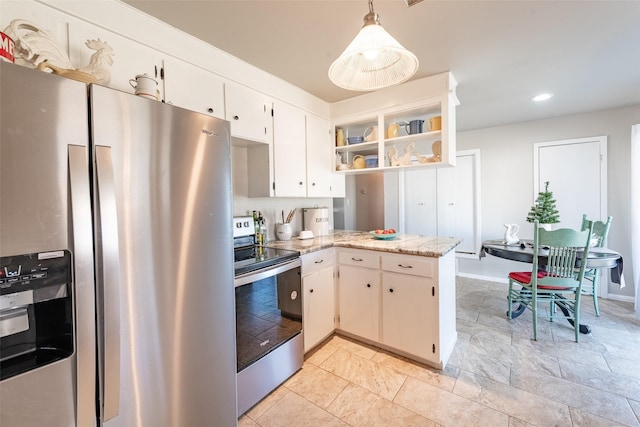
point(193, 88)
point(129, 59)
point(318, 300)
point(420, 195)
point(359, 294)
point(289, 151)
point(246, 109)
point(409, 321)
point(320, 182)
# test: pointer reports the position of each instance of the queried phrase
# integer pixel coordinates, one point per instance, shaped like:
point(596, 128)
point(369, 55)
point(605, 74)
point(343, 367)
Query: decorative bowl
point(382, 236)
point(371, 161)
point(355, 139)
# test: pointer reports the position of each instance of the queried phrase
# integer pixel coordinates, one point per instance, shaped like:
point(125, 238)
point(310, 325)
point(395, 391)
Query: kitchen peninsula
point(397, 294)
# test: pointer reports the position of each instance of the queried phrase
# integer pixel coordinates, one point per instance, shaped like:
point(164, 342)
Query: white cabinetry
point(410, 318)
point(318, 319)
point(359, 293)
point(289, 150)
point(129, 59)
point(193, 88)
point(430, 101)
point(321, 180)
point(400, 302)
point(246, 109)
point(444, 202)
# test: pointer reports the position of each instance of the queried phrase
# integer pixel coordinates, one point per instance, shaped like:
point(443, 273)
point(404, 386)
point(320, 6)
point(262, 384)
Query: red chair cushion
point(525, 277)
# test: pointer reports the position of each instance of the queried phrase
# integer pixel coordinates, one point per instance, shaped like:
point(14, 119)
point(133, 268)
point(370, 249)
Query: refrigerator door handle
point(80, 195)
point(108, 279)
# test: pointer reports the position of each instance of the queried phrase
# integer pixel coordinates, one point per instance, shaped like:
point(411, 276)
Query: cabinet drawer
point(406, 264)
point(359, 259)
point(315, 261)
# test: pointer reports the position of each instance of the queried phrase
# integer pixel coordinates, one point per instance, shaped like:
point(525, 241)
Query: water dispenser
point(36, 311)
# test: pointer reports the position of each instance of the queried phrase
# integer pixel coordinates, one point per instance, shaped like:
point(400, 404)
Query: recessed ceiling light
point(542, 97)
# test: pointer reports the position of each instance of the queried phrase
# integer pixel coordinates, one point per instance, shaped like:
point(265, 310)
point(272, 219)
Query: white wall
point(507, 179)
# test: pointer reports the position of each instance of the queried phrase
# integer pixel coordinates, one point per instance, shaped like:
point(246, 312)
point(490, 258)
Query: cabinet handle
point(357, 259)
point(391, 290)
point(313, 184)
point(319, 262)
point(236, 118)
point(405, 266)
point(300, 183)
point(210, 110)
point(368, 285)
point(310, 291)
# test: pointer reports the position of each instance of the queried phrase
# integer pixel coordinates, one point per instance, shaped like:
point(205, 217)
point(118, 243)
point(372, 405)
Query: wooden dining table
point(523, 252)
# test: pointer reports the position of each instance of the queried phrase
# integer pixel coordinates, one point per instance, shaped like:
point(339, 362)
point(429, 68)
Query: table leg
point(566, 310)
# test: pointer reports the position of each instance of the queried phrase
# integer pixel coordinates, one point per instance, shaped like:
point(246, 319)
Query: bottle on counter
point(263, 231)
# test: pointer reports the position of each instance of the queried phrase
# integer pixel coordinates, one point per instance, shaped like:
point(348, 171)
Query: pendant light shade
point(373, 60)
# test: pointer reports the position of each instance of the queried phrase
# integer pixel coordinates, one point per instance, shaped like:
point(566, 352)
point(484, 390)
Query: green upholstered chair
point(556, 281)
point(592, 276)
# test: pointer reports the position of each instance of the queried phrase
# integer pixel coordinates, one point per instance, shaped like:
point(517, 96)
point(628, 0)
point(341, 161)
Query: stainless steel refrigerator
point(116, 283)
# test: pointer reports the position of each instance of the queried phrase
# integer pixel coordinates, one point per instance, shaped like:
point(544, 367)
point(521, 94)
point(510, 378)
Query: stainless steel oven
point(269, 345)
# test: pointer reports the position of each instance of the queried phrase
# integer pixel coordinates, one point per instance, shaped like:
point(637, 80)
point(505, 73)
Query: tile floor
point(496, 376)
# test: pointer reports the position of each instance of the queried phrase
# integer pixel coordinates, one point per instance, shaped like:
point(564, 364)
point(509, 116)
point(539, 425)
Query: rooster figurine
point(35, 48)
point(394, 160)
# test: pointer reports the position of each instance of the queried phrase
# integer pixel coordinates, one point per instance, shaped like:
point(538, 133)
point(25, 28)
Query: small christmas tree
point(544, 209)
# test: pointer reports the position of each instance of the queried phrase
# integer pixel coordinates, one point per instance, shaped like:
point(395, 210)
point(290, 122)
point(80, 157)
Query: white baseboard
point(614, 297)
point(481, 277)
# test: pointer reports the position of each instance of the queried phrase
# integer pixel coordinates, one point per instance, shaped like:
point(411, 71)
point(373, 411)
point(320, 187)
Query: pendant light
point(373, 60)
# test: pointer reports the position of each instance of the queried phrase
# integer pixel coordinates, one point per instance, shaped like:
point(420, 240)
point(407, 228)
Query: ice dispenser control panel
point(34, 272)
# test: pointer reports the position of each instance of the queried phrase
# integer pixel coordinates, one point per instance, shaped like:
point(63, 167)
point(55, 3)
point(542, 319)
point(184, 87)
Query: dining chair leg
point(534, 304)
point(576, 318)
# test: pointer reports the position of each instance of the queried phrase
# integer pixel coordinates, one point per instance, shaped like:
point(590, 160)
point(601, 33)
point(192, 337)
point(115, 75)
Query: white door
point(577, 173)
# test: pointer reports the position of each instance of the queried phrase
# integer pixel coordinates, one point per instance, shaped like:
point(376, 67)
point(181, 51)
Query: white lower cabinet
point(318, 290)
point(403, 303)
point(409, 312)
point(359, 293)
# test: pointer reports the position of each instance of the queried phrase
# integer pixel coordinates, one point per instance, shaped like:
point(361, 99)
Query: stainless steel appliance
point(268, 315)
point(114, 263)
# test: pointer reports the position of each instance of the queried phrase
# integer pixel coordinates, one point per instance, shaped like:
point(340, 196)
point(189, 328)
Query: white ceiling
point(501, 52)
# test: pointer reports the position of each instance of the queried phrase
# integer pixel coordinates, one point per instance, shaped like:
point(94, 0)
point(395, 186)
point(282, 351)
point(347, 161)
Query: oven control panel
point(243, 226)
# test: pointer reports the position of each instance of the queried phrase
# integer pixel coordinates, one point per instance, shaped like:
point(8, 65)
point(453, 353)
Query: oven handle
point(270, 271)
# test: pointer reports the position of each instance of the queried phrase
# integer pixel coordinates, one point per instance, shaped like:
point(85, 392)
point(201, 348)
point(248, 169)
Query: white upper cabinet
point(246, 109)
point(129, 59)
point(289, 150)
point(321, 181)
point(193, 88)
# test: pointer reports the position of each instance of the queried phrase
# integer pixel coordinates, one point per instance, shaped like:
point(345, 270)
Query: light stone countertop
point(410, 244)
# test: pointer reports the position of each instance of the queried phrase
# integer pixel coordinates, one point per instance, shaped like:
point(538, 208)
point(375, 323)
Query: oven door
point(268, 310)
point(268, 330)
